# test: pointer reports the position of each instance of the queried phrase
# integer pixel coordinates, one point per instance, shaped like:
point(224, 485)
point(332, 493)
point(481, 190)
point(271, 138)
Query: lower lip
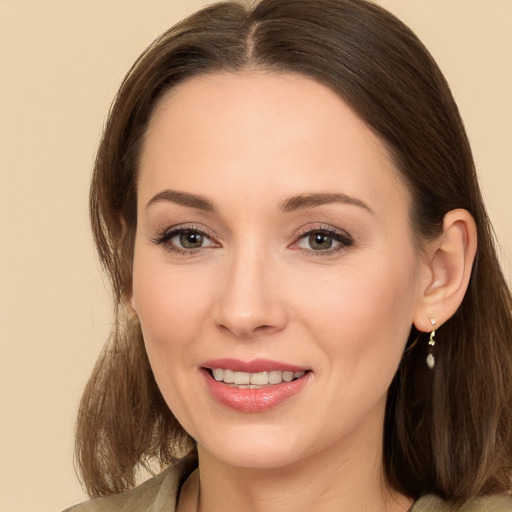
point(254, 399)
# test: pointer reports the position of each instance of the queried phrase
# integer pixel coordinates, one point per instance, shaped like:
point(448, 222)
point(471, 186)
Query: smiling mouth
point(254, 386)
point(246, 380)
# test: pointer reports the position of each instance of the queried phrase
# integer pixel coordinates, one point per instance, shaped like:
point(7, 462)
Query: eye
point(189, 239)
point(184, 240)
point(318, 241)
point(323, 240)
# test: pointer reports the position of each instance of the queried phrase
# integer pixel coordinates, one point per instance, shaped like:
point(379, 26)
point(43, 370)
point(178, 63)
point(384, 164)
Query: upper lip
point(253, 366)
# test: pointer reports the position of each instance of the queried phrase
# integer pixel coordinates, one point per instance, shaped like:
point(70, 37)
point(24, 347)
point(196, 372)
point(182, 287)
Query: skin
point(257, 288)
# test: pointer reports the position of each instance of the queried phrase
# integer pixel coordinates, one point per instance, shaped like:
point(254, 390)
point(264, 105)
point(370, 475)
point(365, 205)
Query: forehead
point(247, 128)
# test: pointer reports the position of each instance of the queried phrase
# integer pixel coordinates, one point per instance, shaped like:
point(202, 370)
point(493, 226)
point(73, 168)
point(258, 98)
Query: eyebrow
point(183, 199)
point(304, 201)
point(299, 202)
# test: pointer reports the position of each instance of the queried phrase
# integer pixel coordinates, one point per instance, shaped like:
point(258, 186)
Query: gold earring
point(431, 360)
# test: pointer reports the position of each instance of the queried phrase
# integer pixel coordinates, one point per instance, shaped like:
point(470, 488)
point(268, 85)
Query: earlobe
point(450, 260)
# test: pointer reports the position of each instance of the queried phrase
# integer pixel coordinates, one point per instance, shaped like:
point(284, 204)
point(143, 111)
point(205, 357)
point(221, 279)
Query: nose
point(250, 302)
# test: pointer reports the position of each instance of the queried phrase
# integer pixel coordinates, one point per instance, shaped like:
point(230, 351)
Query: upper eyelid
point(308, 229)
point(344, 238)
point(178, 228)
point(164, 237)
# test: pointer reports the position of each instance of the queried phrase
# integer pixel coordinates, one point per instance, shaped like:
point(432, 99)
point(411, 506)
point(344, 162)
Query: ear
point(448, 264)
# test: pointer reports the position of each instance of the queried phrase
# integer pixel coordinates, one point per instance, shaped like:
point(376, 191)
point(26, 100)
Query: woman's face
point(273, 243)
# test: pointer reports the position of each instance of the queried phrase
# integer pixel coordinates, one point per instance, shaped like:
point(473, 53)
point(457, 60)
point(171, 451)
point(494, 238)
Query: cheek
point(170, 302)
point(363, 315)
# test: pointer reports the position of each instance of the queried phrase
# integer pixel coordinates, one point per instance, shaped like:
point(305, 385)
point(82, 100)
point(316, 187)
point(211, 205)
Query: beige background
point(60, 64)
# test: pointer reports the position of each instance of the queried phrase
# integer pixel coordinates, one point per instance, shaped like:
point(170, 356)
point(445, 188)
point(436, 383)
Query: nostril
point(248, 331)
point(264, 328)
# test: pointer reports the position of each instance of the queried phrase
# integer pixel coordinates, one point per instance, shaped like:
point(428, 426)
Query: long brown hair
point(448, 431)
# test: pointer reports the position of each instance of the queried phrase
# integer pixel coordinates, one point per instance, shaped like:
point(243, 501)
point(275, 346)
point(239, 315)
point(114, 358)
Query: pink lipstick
point(253, 386)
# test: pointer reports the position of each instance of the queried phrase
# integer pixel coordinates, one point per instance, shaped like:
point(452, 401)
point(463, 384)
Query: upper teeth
point(258, 379)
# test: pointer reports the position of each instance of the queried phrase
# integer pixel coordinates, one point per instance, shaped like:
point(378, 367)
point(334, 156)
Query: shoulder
point(497, 503)
point(158, 494)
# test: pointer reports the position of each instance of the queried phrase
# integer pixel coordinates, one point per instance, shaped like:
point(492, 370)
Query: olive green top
point(159, 494)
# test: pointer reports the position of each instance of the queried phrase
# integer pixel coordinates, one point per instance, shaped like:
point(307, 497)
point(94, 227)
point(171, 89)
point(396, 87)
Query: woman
point(304, 274)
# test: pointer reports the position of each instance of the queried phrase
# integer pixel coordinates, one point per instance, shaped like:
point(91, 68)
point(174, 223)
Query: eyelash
point(343, 239)
point(168, 234)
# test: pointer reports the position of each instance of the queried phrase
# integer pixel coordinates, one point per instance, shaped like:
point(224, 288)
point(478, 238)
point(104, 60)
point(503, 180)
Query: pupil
point(191, 240)
point(320, 241)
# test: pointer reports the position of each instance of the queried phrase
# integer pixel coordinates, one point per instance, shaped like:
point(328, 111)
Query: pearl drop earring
point(431, 360)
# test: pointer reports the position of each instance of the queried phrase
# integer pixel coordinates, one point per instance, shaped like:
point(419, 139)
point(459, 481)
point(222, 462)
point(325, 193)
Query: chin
point(260, 448)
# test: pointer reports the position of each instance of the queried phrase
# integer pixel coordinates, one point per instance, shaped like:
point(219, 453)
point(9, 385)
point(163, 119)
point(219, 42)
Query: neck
point(335, 480)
